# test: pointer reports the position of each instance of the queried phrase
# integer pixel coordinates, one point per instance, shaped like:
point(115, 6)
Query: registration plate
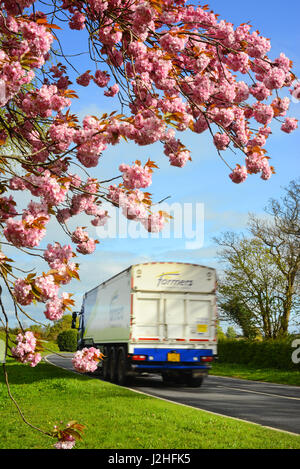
point(201, 328)
point(173, 357)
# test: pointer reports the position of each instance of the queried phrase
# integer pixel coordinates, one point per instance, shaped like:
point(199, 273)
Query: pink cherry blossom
point(112, 91)
point(85, 244)
point(56, 254)
point(55, 307)
point(239, 174)
point(65, 444)
point(221, 141)
point(25, 349)
point(84, 79)
point(47, 287)
point(263, 113)
point(24, 233)
point(154, 223)
point(101, 78)
point(136, 176)
point(289, 125)
point(23, 292)
point(77, 21)
point(86, 360)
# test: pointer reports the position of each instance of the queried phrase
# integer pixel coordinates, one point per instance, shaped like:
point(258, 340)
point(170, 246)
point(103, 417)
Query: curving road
point(271, 405)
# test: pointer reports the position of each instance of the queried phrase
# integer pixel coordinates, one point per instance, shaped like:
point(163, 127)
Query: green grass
point(116, 418)
point(270, 375)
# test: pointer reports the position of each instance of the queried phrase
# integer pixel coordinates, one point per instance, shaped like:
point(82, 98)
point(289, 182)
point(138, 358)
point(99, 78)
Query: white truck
point(157, 317)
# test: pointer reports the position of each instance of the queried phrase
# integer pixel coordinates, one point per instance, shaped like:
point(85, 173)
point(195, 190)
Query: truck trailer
point(157, 317)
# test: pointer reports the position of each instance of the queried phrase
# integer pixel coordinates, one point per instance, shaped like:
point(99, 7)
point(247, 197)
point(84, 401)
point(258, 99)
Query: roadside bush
point(62, 324)
point(264, 354)
point(67, 340)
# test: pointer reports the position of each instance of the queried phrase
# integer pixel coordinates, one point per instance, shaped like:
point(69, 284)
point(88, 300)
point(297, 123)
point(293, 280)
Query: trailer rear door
point(173, 317)
point(147, 318)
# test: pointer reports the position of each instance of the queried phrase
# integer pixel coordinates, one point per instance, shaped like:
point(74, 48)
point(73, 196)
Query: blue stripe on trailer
point(161, 354)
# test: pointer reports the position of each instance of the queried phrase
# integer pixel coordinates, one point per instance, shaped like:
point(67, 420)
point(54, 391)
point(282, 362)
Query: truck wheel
point(122, 375)
point(193, 381)
point(105, 366)
point(112, 365)
point(167, 379)
point(171, 379)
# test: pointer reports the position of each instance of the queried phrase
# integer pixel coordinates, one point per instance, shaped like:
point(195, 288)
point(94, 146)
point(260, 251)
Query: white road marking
point(260, 392)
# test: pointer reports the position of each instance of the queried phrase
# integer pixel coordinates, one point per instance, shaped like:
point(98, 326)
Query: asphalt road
point(271, 405)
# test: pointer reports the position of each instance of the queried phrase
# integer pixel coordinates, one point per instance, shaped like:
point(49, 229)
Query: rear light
point(139, 357)
point(207, 359)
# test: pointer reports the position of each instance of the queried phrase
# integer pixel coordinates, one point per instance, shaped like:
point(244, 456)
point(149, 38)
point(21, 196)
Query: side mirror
point(74, 317)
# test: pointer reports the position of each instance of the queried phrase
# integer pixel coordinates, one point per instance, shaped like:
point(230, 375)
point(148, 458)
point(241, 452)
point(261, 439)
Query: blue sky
point(204, 180)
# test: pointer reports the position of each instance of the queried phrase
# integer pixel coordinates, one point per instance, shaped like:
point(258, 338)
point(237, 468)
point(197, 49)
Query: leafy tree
point(220, 332)
point(230, 333)
point(259, 288)
point(59, 326)
point(281, 237)
point(234, 310)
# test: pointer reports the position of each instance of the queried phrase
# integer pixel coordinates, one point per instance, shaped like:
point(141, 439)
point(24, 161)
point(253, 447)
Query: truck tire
point(112, 364)
point(122, 368)
point(172, 378)
point(194, 381)
point(167, 380)
point(105, 366)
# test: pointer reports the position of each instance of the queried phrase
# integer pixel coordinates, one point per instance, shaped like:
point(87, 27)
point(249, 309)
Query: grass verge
point(116, 418)
point(268, 375)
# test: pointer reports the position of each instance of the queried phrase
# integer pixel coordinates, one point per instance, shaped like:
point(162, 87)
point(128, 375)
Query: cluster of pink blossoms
point(90, 141)
point(289, 125)
point(130, 202)
point(86, 201)
point(135, 207)
point(221, 141)
point(55, 307)
point(44, 101)
point(57, 255)
point(58, 258)
point(154, 223)
point(23, 292)
point(85, 244)
point(69, 441)
point(45, 288)
point(7, 208)
point(256, 163)
point(25, 349)
point(101, 78)
point(212, 94)
point(175, 150)
point(27, 232)
point(46, 186)
point(263, 113)
point(136, 176)
point(86, 360)
point(239, 174)
point(26, 39)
